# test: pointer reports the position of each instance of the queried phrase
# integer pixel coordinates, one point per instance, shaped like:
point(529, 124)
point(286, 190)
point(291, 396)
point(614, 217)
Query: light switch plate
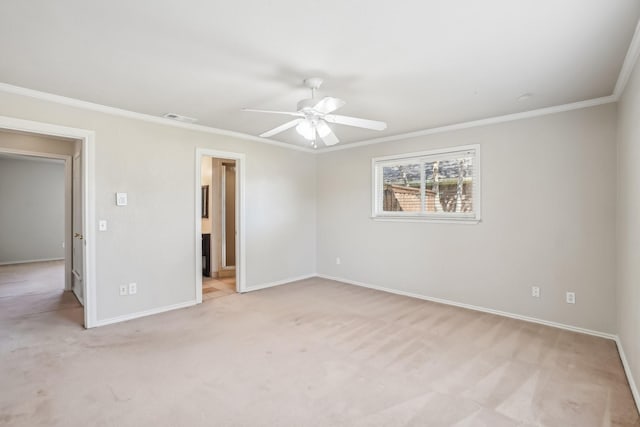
point(121, 199)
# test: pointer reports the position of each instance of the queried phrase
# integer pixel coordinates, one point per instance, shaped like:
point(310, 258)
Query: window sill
point(467, 221)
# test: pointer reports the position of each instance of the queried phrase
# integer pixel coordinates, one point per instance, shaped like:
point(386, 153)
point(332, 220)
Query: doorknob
point(78, 235)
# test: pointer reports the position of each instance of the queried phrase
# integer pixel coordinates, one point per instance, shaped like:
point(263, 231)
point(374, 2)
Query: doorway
point(219, 224)
point(34, 195)
point(35, 225)
point(79, 247)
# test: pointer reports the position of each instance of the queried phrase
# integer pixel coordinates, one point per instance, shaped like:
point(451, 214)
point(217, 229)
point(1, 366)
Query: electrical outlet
point(123, 290)
point(571, 297)
point(133, 288)
point(535, 291)
point(338, 261)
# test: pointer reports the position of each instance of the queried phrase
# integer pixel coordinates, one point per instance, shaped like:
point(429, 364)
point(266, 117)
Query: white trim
point(71, 102)
point(32, 260)
point(144, 313)
point(198, 225)
point(241, 257)
point(477, 123)
point(421, 157)
point(474, 307)
point(629, 62)
point(428, 153)
point(87, 138)
point(4, 87)
point(616, 338)
point(627, 371)
point(439, 220)
point(280, 282)
point(186, 304)
point(630, 59)
point(633, 53)
point(68, 223)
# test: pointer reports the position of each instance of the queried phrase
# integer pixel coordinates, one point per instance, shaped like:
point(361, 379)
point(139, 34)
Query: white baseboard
point(627, 371)
point(279, 282)
point(153, 311)
point(145, 313)
point(475, 307)
point(31, 260)
point(616, 338)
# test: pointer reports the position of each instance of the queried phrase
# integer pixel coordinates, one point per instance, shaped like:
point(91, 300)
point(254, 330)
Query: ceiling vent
point(178, 117)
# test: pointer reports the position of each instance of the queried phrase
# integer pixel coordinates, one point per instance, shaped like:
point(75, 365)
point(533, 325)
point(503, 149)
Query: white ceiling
point(414, 64)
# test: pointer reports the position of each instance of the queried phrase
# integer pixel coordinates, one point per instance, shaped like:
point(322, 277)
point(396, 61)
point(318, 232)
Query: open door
point(79, 240)
point(77, 262)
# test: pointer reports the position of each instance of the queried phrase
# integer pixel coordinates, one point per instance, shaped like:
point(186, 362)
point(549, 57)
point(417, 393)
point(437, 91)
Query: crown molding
point(629, 62)
point(623, 77)
point(85, 105)
point(476, 123)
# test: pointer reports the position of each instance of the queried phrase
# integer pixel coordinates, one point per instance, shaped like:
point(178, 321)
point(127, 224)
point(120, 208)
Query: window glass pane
point(449, 185)
point(401, 188)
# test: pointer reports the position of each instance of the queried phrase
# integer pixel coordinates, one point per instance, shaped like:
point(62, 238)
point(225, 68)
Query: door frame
point(240, 216)
point(87, 139)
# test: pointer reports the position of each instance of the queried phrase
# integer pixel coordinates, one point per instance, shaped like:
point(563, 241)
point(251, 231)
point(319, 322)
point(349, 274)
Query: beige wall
point(628, 231)
point(559, 240)
point(32, 210)
point(548, 197)
point(151, 241)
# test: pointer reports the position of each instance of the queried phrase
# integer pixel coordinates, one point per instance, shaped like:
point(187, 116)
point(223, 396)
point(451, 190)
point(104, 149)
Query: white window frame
point(377, 163)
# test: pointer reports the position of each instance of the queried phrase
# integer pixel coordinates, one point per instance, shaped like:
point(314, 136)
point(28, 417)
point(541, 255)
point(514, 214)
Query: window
point(432, 185)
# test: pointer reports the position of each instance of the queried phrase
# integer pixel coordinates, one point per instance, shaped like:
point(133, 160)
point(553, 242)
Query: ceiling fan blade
point(326, 134)
point(328, 104)
point(354, 121)
point(281, 128)
point(288, 113)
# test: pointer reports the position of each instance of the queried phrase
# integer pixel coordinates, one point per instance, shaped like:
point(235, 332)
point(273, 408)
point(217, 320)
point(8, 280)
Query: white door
point(77, 262)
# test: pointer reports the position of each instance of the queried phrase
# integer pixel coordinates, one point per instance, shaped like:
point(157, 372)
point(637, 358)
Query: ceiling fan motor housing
point(313, 82)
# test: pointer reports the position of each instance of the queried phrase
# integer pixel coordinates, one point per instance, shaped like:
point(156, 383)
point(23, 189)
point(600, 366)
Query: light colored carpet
point(32, 288)
point(311, 353)
point(31, 278)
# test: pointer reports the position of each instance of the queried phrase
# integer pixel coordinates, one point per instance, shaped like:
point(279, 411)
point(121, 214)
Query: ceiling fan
point(314, 114)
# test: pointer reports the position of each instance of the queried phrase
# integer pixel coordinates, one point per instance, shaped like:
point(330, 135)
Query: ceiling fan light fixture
point(306, 129)
point(314, 115)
